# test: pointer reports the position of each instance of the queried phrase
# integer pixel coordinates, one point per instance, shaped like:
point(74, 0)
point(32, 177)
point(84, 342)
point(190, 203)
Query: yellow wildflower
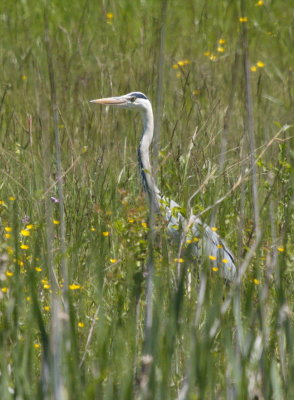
point(222, 41)
point(24, 247)
point(7, 235)
point(220, 49)
point(28, 298)
point(46, 308)
point(105, 234)
point(215, 269)
point(46, 286)
point(81, 324)
point(256, 281)
point(4, 290)
point(219, 246)
point(259, 3)
point(30, 226)
point(175, 66)
point(56, 222)
point(253, 68)
point(144, 224)
point(2, 203)
point(25, 232)
point(131, 220)
point(212, 258)
point(109, 15)
point(281, 249)
point(9, 273)
point(37, 345)
point(225, 261)
point(24, 77)
point(206, 53)
point(243, 19)
point(189, 241)
point(182, 63)
point(38, 269)
point(214, 229)
point(74, 286)
point(93, 229)
point(11, 198)
point(260, 64)
point(195, 239)
point(113, 260)
point(213, 57)
point(179, 260)
point(8, 229)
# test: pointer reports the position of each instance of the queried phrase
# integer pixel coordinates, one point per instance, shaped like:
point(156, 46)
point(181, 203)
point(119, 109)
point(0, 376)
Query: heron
point(204, 241)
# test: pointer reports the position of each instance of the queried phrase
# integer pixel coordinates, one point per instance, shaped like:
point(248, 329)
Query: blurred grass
point(246, 351)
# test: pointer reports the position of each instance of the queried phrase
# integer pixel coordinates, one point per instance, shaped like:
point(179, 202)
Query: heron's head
point(134, 101)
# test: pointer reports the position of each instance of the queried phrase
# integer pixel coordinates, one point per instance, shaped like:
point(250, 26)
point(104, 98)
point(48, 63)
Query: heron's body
point(204, 241)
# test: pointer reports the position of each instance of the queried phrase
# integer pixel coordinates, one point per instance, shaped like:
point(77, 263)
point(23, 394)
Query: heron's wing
point(205, 241)
point(214, 247)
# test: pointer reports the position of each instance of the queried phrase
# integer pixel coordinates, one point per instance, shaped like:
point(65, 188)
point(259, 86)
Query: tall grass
point(86, 339)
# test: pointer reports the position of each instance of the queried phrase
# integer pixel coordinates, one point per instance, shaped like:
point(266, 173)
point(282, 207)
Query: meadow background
point(74, 223)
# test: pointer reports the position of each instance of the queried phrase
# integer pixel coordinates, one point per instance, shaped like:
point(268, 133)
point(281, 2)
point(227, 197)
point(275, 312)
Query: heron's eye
point(132, 99)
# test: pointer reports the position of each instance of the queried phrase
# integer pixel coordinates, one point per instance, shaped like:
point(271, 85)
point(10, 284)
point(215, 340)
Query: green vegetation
point(73, 270)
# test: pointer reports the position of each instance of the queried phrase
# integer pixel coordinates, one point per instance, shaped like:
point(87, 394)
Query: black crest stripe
point(139, 95)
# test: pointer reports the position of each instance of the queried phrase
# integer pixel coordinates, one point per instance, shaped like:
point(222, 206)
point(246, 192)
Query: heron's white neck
point(148, 181)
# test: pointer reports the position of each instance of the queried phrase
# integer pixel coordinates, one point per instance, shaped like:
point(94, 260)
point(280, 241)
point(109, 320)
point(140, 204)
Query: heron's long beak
point(110, 101)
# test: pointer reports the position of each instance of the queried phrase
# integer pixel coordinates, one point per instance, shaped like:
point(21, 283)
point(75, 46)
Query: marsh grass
point(86, 341)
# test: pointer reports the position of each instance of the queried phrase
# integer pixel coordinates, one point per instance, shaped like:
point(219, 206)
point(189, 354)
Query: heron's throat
point(148, 180)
